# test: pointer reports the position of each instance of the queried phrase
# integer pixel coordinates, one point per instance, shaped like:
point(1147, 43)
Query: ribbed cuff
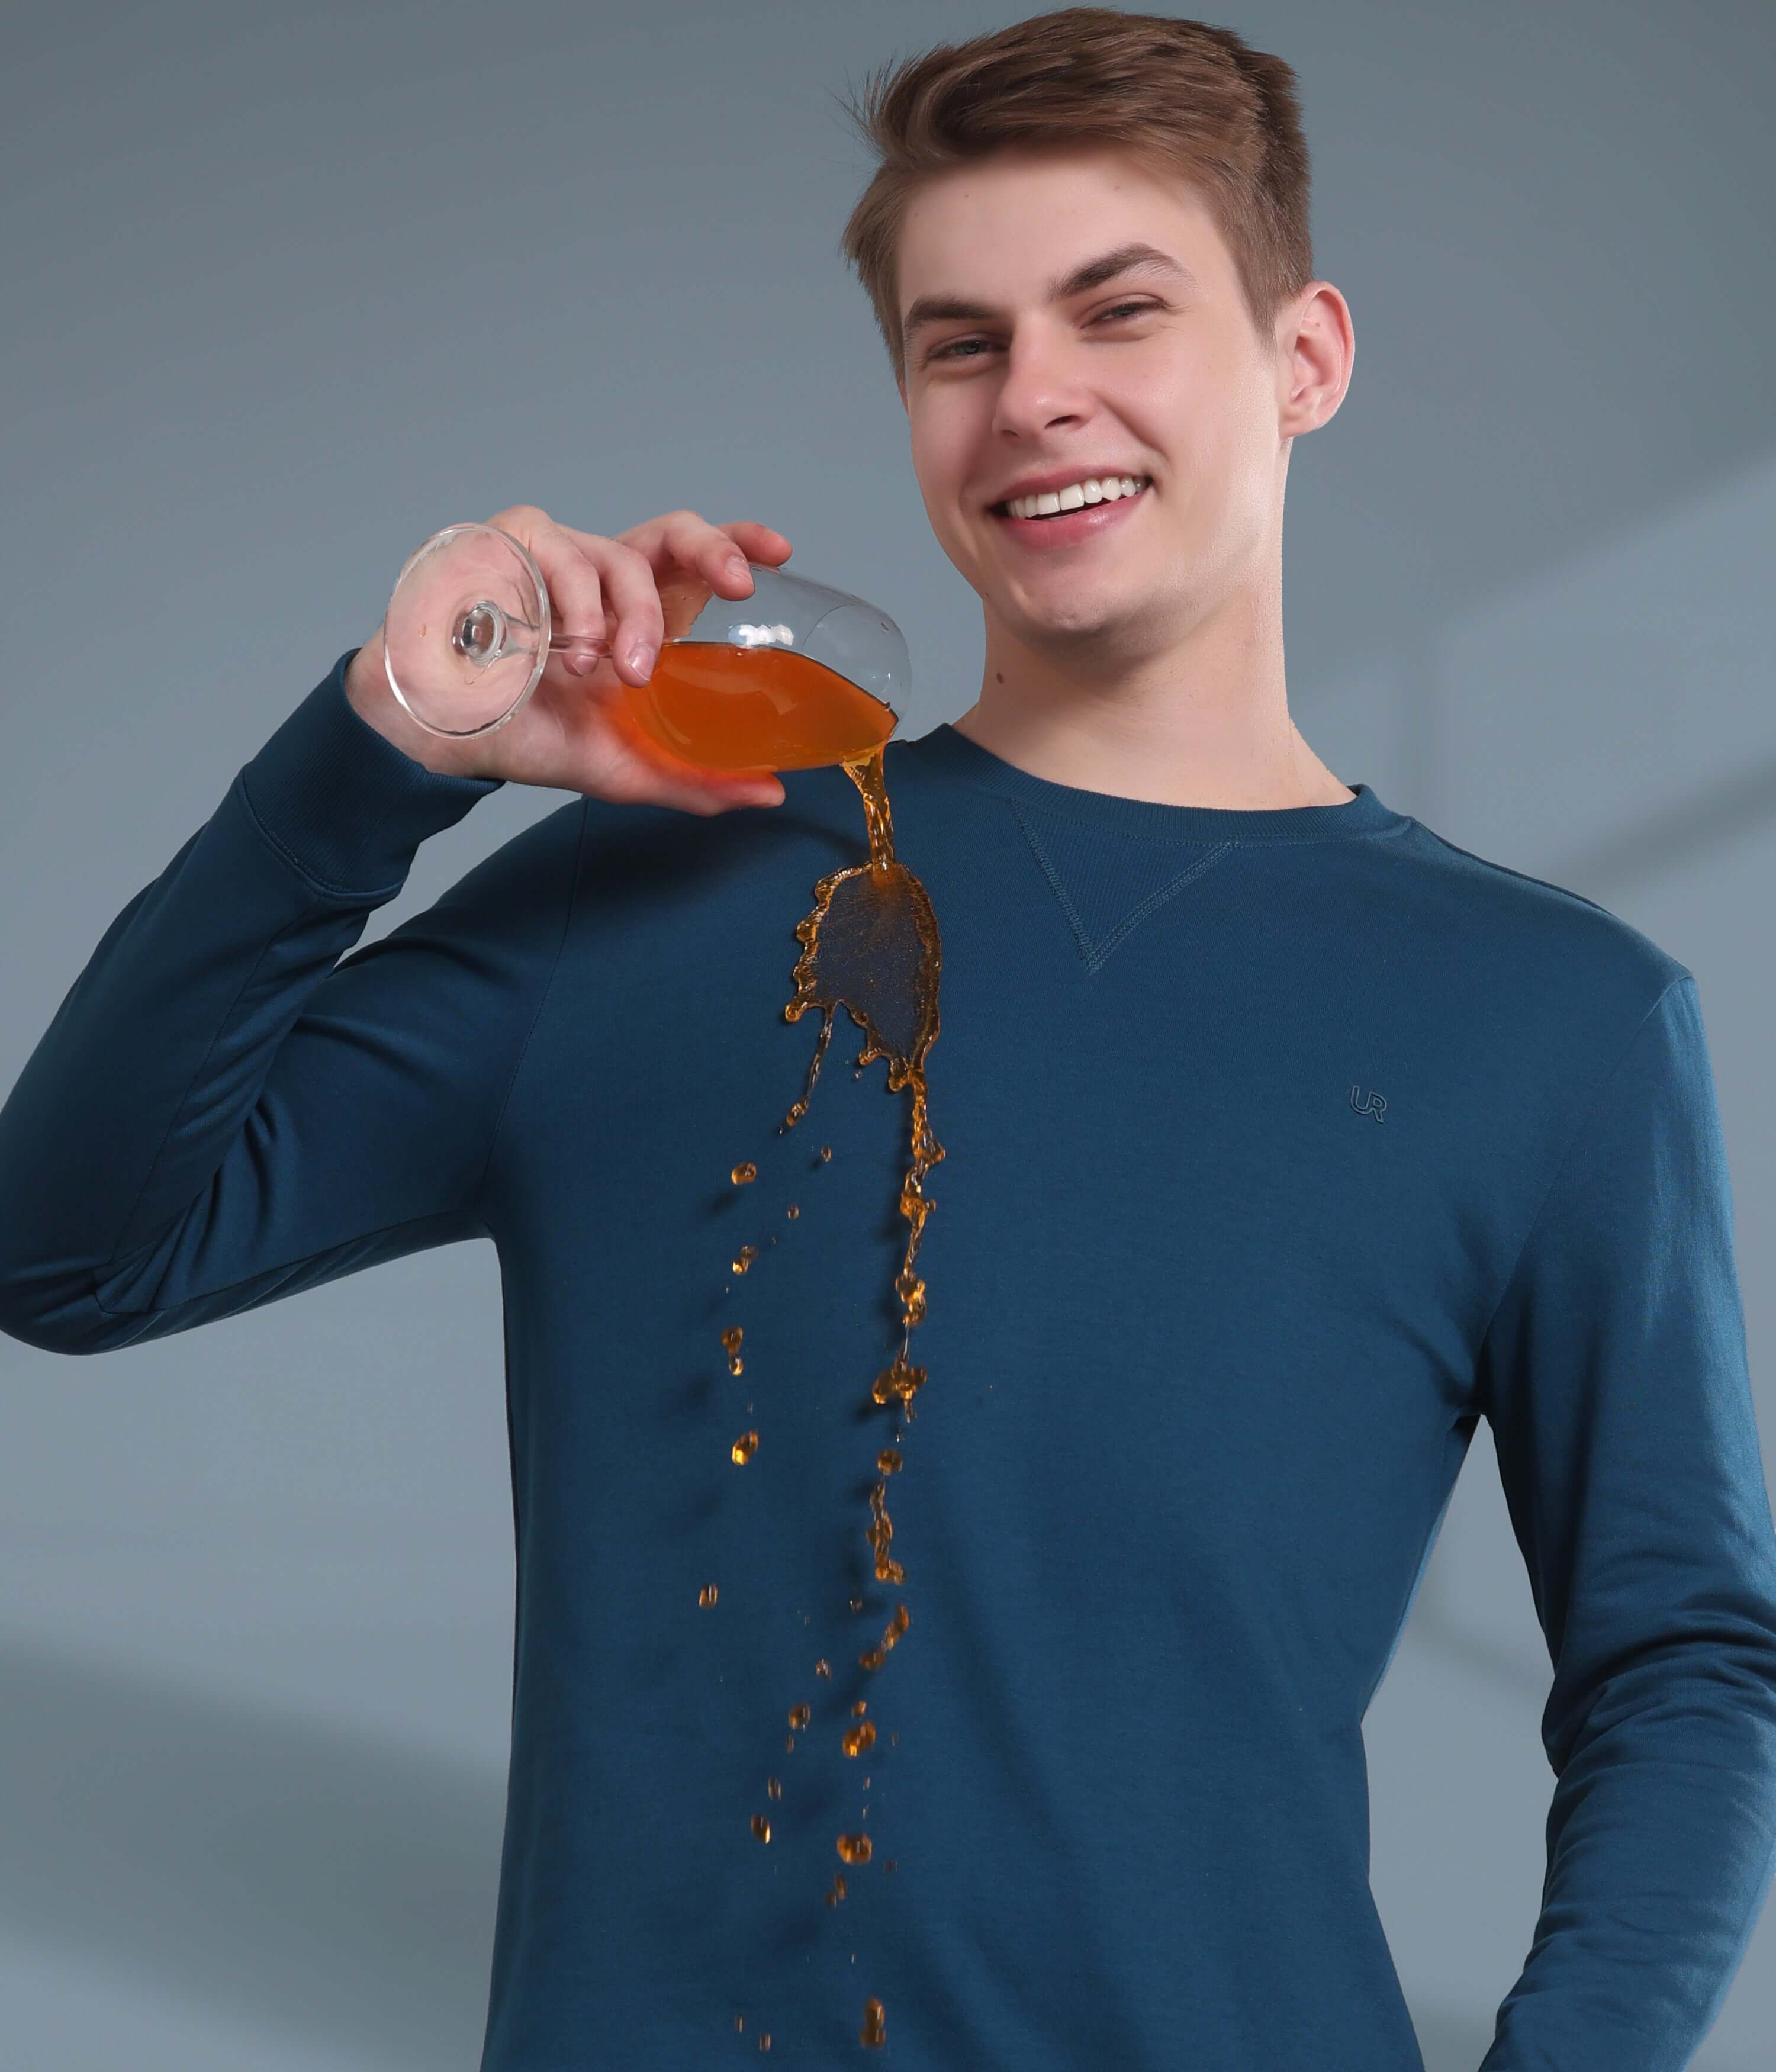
point(342, 802)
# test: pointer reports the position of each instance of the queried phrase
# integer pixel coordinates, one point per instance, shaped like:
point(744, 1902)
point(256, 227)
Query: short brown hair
point(1195, 99)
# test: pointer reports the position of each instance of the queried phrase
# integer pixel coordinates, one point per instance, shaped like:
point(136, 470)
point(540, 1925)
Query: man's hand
point(574, 732)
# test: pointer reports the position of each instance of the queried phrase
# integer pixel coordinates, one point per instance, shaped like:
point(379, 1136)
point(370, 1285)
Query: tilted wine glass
point(793, 677)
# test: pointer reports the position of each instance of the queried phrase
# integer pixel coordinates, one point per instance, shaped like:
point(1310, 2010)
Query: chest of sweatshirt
point(1223, 1214)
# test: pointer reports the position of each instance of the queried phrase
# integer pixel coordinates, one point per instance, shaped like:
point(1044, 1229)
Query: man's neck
point(1203, 723)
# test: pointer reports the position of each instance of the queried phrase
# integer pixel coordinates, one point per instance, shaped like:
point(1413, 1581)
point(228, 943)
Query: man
point(1284, 1141)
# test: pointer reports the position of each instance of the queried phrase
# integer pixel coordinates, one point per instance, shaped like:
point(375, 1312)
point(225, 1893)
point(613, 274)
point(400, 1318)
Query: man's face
point(1026, 367)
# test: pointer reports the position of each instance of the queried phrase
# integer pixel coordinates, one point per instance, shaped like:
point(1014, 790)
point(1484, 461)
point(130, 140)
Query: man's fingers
point(571, 576)
point(630, 589)
point(757, 542)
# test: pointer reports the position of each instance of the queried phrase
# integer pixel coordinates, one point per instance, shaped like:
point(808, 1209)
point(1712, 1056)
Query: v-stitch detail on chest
point(1145, 875)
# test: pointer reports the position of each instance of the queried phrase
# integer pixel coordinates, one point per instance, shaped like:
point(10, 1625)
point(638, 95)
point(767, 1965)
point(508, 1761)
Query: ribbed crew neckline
point(953, 755)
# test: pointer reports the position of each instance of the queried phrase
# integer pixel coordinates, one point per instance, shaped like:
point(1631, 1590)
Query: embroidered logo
point(1369, 1104)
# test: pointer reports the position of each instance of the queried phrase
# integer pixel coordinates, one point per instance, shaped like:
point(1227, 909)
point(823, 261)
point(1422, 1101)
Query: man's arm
point(222, 1111)
point(1614, 1376)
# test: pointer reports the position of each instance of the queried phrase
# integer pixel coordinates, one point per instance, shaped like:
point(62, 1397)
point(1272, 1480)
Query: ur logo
point(1368, 1104)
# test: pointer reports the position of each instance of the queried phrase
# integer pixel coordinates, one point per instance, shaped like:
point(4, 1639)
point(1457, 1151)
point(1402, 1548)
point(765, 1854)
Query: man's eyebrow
point(1093, 273)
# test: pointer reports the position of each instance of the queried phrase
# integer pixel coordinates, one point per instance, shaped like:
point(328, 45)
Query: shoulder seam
point(1527, 878)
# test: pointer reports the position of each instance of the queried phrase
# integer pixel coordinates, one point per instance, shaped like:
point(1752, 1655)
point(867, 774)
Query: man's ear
point(1317, 346)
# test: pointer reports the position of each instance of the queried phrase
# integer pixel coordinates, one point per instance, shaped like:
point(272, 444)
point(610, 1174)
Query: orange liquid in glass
point(728, 708)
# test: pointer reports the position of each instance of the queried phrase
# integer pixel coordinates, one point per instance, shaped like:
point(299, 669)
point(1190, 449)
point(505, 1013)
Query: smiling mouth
point(1076, 496)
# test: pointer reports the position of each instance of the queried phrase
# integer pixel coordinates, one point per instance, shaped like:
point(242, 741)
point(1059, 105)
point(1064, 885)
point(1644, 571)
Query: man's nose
point(1043, 386)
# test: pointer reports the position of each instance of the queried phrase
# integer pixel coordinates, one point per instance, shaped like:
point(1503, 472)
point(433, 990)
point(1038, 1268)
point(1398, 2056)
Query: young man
point(1284, 1141)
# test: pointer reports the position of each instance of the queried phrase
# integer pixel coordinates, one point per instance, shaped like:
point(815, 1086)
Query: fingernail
point(641, 658)
point(737, 566)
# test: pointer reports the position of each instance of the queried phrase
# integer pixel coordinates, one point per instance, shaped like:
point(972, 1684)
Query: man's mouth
point(1076, 496)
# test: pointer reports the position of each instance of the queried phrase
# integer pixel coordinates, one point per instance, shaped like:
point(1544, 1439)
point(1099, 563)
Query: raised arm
point(226, 1107)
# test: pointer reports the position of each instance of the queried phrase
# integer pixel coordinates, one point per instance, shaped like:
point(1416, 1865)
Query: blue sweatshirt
point(1281, 1147)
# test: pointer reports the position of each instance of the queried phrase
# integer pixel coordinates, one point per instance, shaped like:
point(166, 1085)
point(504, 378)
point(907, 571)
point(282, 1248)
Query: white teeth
point(1103, 489)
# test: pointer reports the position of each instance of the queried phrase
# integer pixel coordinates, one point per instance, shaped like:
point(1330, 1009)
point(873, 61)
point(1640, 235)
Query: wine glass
point(793, 677)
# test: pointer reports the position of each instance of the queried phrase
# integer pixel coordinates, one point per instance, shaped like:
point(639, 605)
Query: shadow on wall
point(333, 1885)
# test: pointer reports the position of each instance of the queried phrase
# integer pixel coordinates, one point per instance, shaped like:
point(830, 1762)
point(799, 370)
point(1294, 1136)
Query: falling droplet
point(889, 1461)
point(792, 1212)
point(823, 1667)
point(739, 2021)
point(874, 2031)
point(761, 1826)
point(873, 1658)
point(798, 1717)
point(744, 1448)
point(706, 1596)
point(837, 1893)
point(744, 1172)
point(857, 1604)
point(744, 1258)
point(859, 1708)
point(730, 1338)
point(860, 1737)
point(764, 2041)
point(854, 1848)
point(826, 1153)
point(774, 1787)
point(789, 1745)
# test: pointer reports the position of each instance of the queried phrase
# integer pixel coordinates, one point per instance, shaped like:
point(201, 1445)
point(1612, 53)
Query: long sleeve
point(227, 1107)
point(1614, 1379)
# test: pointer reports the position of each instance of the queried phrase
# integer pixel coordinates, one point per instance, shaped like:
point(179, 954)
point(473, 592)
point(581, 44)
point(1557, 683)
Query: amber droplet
point(789, 1745)
point(855, 1848)
point(823, 1667)
point(897, 1626)
point(874, 2031)
point(745, 1257)
point(764, 2041)
point(798, 1717)
point(898, 1381)
point(871, 1657)
point(826, 1153)
point(730, 1338)
point(706, 1596)
point(744, 1172)
point(837, 1893)
point(859, 1708)
point(761, 1826)
point(792, 1212)
point(889, 1461)
point(860, 1737)
point(744, 1448)
point(774, 1787)
point(739, 2021)
point(880, 1534)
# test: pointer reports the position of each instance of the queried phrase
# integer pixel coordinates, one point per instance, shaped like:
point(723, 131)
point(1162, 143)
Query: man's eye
point(958, 348)
point(1126, 310)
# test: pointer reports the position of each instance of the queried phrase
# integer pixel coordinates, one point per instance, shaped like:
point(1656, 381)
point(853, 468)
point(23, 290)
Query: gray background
point(255, 1582)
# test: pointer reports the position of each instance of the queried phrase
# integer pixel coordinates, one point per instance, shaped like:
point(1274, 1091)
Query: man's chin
point(1055, 616)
